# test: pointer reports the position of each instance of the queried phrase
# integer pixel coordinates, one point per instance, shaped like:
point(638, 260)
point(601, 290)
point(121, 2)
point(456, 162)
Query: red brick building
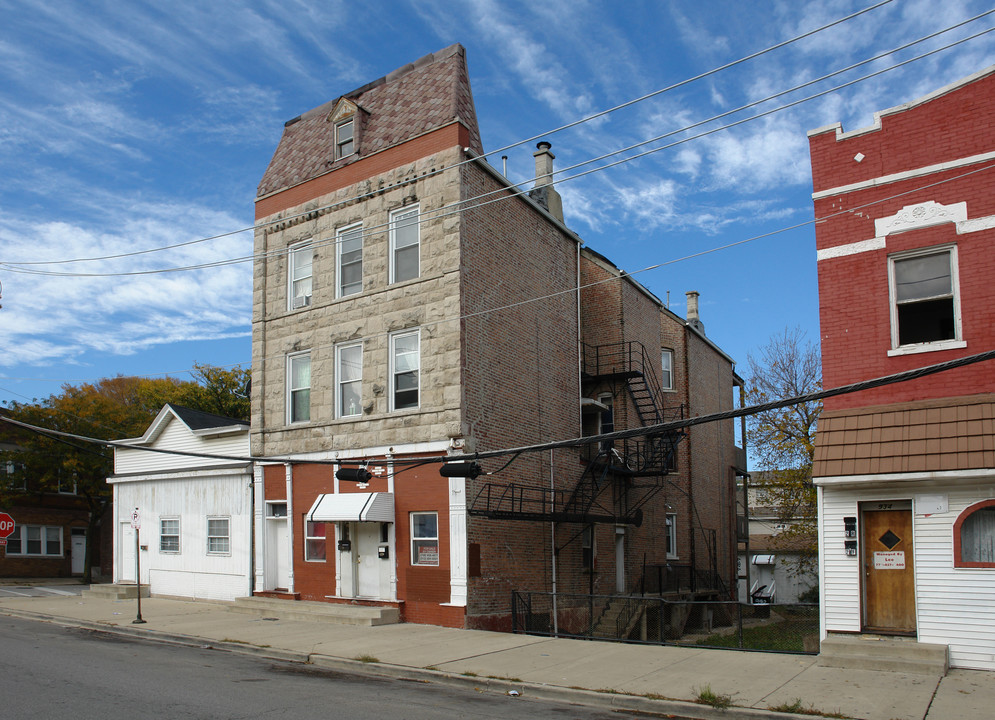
point(410, 304)
point(906, 472)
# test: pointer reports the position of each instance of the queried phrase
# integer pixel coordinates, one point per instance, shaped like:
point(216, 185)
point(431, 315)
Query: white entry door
point(277, 554)
point(78, 551)
point(367, 536)
point(126, 570)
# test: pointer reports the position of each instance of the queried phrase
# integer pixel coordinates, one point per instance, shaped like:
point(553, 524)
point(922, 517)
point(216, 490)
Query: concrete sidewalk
point(658, 679)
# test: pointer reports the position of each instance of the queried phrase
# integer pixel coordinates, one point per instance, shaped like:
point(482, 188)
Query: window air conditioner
point(302, 301)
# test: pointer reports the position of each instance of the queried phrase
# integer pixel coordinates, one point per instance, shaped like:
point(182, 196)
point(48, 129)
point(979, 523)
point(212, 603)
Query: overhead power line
point(575, 123)
point(642, 431)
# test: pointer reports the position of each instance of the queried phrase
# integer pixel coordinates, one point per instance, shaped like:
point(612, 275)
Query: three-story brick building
point(409, 304)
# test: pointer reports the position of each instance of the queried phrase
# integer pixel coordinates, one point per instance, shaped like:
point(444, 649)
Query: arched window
point(974, 536)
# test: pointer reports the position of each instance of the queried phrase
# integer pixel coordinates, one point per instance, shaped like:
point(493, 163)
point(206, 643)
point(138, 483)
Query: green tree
point(782, 441)
point(111, 409)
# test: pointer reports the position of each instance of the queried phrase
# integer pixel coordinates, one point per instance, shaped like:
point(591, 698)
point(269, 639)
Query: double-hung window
point(404, 241)
point(924, 299)
point(349, 244)
point(667, 369)
point(218, 536)
point(169, 535)
point(671, 535)
point(299, 387)
point(345, 133)
point(424, 538)
point(349, 379)
point(404, 370)
point(35, 540)
point(299, 271)
point(314, 541)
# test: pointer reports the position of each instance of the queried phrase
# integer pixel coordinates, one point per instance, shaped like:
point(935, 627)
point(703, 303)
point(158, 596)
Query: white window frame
point(292, 390)
point(344, 147)
point(394, 372)
point(163, 535)
point(415, 539)
point(666, 369)
point(912, 348)
point(297, 275)
point(671, 536)
point(341, 381)
point(214, 537)
point(396, 217)
point(310, 538)
point(344, 235)
point(46, 534)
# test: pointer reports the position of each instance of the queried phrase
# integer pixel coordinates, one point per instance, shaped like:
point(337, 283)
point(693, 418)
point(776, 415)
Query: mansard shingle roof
point(424, 95)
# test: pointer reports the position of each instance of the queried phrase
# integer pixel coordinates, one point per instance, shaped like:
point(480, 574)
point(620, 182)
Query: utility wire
point(645, 430)
point(510, 192)
point(572, 124)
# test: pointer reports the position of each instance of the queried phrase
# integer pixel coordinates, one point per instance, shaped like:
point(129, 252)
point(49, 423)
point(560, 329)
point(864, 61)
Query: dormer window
point(345, 138)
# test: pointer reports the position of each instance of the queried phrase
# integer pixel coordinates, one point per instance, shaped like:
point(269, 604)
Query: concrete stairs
point(340, 613)
point(878, 652)
point(116, 591)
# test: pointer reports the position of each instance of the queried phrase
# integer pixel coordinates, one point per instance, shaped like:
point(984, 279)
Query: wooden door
point(888, 569)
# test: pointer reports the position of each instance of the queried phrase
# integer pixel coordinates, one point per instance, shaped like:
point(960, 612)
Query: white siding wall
point(193, 498)
point(954, 606)
point(176, 436)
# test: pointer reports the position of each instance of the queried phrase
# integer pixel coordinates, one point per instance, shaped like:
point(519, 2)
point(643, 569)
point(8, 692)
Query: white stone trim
point(928, 347)
point(458, 560)
point(905, 175)
point(854, 248)
point(920, 215)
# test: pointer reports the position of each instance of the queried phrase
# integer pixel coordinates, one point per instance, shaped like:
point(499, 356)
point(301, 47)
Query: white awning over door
point(353, 507)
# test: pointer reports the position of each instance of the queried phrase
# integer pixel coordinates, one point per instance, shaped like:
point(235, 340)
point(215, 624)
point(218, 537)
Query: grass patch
point(468, 673)
point(706, 696)
point(509, 679)
point(367, 658)
point(786, 634)
point(797, 707)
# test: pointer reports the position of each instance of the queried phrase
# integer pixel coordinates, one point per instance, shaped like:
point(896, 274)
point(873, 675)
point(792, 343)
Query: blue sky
point(128, 126)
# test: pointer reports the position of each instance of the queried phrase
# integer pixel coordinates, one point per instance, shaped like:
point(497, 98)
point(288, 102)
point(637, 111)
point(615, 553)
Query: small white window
point(299, 271)
point(345, 138)
point(276, 509)
point(667, 370)
point(349, 253)
point(672, 535)
point(349, 374)
point(404, 241)
point(169, 535)
point(925, 310)
point(404, 370)
point(218, 536)
point(299, 387)
point(424, 538)
point(314, 541)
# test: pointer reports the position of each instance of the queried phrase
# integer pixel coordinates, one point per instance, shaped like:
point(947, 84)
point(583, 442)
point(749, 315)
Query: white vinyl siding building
point(953, 605)
point(195, 512)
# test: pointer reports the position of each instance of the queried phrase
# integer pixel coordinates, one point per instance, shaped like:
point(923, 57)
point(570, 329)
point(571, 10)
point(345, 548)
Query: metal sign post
point(136, 522)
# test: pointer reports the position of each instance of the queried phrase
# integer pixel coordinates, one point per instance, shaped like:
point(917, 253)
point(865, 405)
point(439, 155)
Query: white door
point(126, 570)
point(277, 554)
point(367, 535)
point(78, 551)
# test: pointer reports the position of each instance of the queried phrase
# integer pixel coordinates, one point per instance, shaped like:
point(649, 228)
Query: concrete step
point(340, 613)
point(116, 591)
point(877, 652)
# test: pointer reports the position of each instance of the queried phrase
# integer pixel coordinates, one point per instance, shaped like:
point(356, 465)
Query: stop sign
point(6, 525)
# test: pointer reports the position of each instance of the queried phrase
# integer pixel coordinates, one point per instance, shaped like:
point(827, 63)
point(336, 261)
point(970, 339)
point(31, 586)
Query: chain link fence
point(709, 624)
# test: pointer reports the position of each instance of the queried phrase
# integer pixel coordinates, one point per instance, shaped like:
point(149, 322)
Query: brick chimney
point(544, 191)
point(692, 318)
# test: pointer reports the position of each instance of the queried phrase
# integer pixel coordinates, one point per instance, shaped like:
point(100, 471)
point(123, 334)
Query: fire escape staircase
point(620, 475)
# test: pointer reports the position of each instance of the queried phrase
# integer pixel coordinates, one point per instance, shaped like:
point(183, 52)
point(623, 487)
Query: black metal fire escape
point(620, 475)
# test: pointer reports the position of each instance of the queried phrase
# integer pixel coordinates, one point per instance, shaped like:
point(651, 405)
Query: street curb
point(501, 686)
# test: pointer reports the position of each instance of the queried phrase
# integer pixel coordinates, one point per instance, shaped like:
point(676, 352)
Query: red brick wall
point(853, 290)
point(49, 510)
